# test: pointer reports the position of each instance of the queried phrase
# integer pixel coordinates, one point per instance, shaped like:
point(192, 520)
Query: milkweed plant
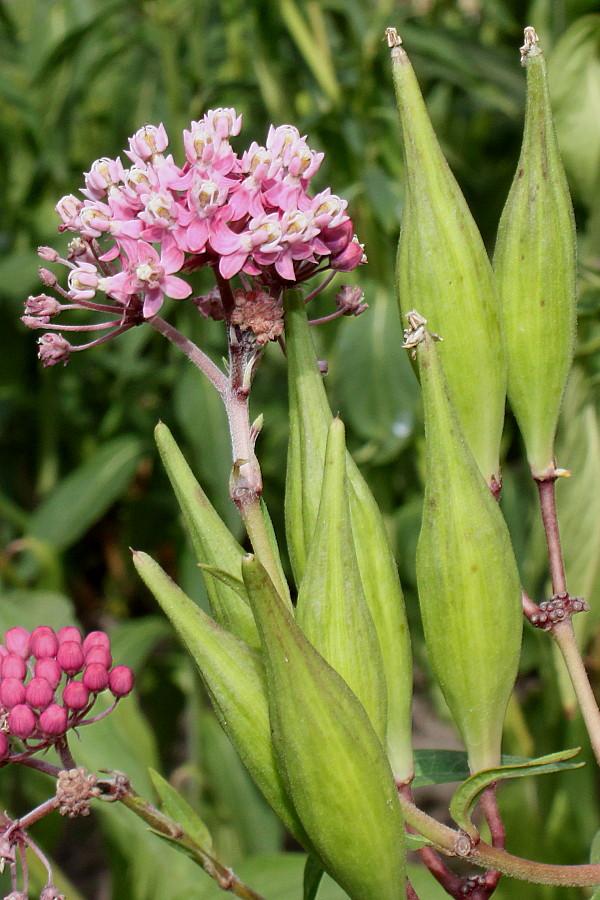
point(311, 679)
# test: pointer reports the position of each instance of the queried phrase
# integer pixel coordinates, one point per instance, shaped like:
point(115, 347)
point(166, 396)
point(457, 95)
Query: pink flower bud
point(53, 349)
point(70, 657)
point(76, 695)
point(21, 721)
point(40, 693)
point(47, 277)
point(12, 692)
point(51, 892)
point(50, 670)
point(53, 721)
point(17, 641)
point(48, 253)
point(42, 305)
point(96, 639)
point(68, 633)
point(13, 666)
point(4, 746)
point(120, 681)
point(97, 654)
point(43, 642)
point(95, 677)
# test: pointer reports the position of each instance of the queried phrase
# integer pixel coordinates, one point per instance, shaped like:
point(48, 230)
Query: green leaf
point(236, 584)
point(86, 494)
point(313, 873)
point(181, 812)
point(466, 794)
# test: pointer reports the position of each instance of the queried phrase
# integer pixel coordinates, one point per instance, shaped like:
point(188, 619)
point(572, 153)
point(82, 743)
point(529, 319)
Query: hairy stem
point(193, 353)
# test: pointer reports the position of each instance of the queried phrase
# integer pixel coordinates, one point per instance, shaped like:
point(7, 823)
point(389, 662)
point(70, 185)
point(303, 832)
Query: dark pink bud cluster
point(139, 228)
point(49, 682)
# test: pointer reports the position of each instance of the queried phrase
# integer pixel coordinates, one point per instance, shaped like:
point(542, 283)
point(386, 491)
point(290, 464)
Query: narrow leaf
point(313, 873)
point(465, 796)
point(181, 812)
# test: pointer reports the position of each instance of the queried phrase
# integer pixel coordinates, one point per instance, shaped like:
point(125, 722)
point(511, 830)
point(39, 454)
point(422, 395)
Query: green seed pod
point(332, 610)
point(443, 270)
point(534, 263)
point(310, 417)
point(212, 541)
point(332, 762)
point(235, 678)
point(469, 586)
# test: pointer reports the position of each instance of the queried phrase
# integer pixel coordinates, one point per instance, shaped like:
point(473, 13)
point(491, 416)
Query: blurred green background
point(80, 482)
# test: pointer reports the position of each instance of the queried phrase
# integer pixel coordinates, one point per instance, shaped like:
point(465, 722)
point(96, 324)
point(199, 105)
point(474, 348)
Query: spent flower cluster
point(139, 229)
point(49, 683)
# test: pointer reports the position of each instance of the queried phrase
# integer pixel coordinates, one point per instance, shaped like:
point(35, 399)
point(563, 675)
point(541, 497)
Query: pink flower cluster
point(137, 227)
point(49, 682)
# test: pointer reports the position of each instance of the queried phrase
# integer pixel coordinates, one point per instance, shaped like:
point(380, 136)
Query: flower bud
point(534, 263)
point(120, 681)
point(50, 670)
point(96, 639)
point(16, 641)
point(68, 633)
point(12, 692)
point(469, 586)
point(332, 762)
point(13, 666)
point(40, 693)
point(98, 654)
point(443, 270)
point(4, 746)
point(75, 696)
point(21, 721)
point(53, 720)
point(95, 677)
point(70, 657)
point(43, 642)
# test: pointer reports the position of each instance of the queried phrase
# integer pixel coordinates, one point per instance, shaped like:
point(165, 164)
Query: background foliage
point(79, 477)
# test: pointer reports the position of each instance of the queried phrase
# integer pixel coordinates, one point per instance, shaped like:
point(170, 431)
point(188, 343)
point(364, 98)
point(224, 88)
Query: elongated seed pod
point(235, 678)
point(534, 263)
point(332, 762)
point(443, 270)
point(310, 417)
point(212, 541)
point(332, 610)
point(469, 587)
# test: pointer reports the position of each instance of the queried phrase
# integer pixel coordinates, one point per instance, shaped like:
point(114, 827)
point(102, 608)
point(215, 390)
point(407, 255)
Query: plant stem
point(562, 631)
point(564, 635)
point(548, 509)
point(455, 843)
point(121, 790)
point(193, 353)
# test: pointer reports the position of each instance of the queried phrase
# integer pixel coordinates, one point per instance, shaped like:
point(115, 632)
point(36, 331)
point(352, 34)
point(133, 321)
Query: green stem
point(564, 636)
point(455, 843)
point(227, 880)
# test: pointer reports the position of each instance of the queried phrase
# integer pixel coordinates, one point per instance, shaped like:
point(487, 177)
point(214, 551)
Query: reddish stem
point(548, 509)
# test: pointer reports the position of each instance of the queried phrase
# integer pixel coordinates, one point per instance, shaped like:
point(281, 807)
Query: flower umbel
point(49, 683)
point(139, 229)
